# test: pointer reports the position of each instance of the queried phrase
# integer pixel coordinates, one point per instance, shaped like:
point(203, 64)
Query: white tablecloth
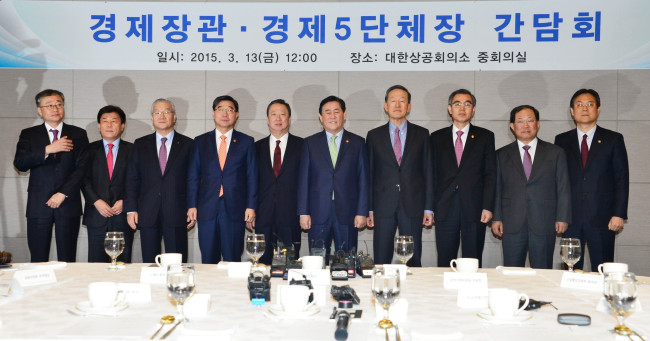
point(41, 312)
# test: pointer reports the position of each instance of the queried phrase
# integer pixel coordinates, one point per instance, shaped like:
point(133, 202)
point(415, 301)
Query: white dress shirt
point(590, 137)
point(283, 146)
point(463, 137)
point(168, 143)
point(217, 135)
point(531, 151)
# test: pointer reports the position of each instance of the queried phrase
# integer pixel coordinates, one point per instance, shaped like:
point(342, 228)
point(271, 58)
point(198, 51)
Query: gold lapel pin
point(234, 140)
point(472, 136)
point(347, 141)
point(599, 141)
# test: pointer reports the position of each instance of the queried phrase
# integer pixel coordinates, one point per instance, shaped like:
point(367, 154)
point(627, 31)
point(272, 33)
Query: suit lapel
point(43, 137)
point(470, 142)
point(345, 141)
point(408, 144)
point(100, 155)
point(266, 162)
point(289, 151)
point(449, 150)
point(595, 146)
point(322, 144)
point(233, 148)
point(515, 159)
point(574, 150)
point(154, 150)
point(120, 161)
point(540, 156)
point(386, 144)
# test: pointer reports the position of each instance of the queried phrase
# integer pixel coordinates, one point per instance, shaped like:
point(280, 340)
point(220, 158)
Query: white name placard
point(317, 277)
point(135, 292)
point(456, 280)
point(573, 280)
point(153, 275)
point(28, 278)
point(401, 267)
point(475, 298)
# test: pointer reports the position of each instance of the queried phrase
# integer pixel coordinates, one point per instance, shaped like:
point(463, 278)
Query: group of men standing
point(399, 180)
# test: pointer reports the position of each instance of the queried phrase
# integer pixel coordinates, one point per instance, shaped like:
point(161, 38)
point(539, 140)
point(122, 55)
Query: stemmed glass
point(385, 289)
point(255, 246)
point(570, 250)
point(404, 248)
point(180, 284)
point(114, 245)
point(620, 292)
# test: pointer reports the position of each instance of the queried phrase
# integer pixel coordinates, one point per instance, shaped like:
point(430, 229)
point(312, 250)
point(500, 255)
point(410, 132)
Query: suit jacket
point(318, 178)
point(278, 192)
point(148, 191)
point(64, 174)
point(539, 201)
point(97, 185)
point(238, 177)
point(410, 182)
point(601, 189)
point(474, 180)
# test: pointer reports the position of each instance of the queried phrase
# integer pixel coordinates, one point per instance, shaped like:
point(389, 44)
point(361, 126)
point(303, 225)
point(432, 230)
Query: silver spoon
point(167, 319)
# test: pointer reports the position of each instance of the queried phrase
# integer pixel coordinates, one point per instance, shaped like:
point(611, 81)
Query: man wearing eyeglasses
point(56, 155)
point(533, 195)
point(464, 175)
point(156, 184)
point(600, 179)
point(222, 185)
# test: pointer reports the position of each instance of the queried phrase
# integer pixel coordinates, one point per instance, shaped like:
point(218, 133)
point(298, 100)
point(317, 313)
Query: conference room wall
point(625, 99)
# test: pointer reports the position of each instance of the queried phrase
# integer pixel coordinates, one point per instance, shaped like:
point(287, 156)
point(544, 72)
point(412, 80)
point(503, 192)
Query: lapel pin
point(599, 141)
point(234, 140)
point(347, 141)
point(472, 136)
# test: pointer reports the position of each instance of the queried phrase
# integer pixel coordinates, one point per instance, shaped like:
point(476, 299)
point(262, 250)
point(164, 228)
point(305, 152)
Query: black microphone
point(342, 322)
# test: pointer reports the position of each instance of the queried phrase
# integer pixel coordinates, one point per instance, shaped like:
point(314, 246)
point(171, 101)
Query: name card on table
point(135, 292)
point(317, 277)
point(474, 298)
point(153, 275)
point(29, 278)
point(456, 280)
point(401, 267)
point(573, 280)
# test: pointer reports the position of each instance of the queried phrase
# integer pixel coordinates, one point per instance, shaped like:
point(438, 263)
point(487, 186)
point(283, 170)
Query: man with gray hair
point(156, 184)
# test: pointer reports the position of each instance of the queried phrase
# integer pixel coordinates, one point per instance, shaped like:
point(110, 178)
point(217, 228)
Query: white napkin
point(54, 265)
point(197, 306)
point(239, 269)
point(420, 335)
point(397, 311)
point(206, 329)
point(516, 271)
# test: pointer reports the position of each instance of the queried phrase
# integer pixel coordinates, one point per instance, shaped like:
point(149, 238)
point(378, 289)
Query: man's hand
point(191, 217)
point(433, 218)
point(103, 208)
point(132, 219)
point(427, 221)
point(497, 228)
point(371, 220)
point(305, 222)
point(117, 208)
point(61, 145)
point(560, 227)
point(56, 200)
point(249, 217)
point(616, 224)
point(486, 216)
point(360, 221)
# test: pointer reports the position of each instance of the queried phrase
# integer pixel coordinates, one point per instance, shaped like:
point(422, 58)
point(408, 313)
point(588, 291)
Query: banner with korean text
point(328, 36)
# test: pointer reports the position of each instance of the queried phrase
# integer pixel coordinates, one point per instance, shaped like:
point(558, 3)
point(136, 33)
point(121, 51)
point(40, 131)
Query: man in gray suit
point(533, 195)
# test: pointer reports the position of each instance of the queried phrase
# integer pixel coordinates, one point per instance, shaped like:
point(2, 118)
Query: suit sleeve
point(489, 174)
point(371, 167)
point(87, 188)
point(621, 178)
point(428, 172)
point(303, 180)
point(75, 180)
point(252, 176)
point(497, 216)
point(563, 188)
point(434, 172)
point(27, 157)
point(362, 173)
point(193, 175)
point(132, 181)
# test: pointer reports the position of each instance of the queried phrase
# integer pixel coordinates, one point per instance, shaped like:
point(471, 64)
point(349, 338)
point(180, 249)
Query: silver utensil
point(171, 330)
point(397, 337)
point(167, 319)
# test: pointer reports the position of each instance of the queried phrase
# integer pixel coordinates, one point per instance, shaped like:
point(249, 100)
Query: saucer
point(277, 312)
point(520, 317)
point(85, 307)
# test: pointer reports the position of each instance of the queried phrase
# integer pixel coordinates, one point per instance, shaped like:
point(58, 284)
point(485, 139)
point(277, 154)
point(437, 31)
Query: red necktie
point(109, 160)
point(277, 159)
point(584, 150)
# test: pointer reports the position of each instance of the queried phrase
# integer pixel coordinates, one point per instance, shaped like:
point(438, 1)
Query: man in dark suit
point(278, 158)
point(56, 154)
point(600, 179)
point(464, 168)
point(533, 195)
point(401, 178)
point(104, 185)
point(222, 185)
point(333, 181)
point(156, 185)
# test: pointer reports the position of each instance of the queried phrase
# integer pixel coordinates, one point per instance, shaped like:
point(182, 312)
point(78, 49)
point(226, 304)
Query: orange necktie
point(222, 158)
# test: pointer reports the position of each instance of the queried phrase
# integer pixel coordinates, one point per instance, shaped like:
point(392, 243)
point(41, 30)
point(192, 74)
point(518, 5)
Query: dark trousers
point(345, 236)
point(456, 228)
point(39, 237)
point(600, 241)
point(384, 236)
point(278, 232)
point(221, 236)
point(96, 236)
point(539, 249)
point(175, 238)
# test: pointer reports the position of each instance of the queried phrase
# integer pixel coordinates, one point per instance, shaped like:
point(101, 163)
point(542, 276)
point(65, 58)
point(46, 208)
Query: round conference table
point(41, 312)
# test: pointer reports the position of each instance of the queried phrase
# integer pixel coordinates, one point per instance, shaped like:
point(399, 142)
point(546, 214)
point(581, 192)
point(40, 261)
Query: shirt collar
point(49, 127)
point(454, 129)
point(228, 134)
point(402, 127)
point(115, 143)
point(590, 133)
point(169, 136)
point(339, 135)
point(532, 144)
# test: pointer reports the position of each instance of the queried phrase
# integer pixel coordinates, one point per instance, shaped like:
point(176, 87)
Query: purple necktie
point(528, 162)
point(584, 151)
point(55, 134)
point(458, 147)
point(397, 147)
point(162, 155)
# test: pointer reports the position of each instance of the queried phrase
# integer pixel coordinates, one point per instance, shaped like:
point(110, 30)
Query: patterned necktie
point(334, 153)
point(277, 159)
point(162, 155)
point(397, 147)
point(458, 147)
point(109, 160)
point(55, 134)
point(223, 149)
point(528, 162)
point(584, 150)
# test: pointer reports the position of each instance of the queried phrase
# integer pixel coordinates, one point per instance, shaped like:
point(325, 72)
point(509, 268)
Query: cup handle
point(157, 260)
point(523, 307)
point(453, 264)
point(600, 268)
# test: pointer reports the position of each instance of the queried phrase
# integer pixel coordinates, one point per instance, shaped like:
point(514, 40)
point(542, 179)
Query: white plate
point(277, 312)
point(85, 307)
point(522, 316)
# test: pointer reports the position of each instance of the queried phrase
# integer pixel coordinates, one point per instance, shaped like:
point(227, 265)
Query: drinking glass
point(570, 250)
point(114, 245)
point(180, 284)
point(255, 246)
point(385, 289)
point(620, 292)
point(404, 249)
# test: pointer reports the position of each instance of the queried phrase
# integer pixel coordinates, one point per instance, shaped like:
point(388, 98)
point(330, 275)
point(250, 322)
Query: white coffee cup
point(464, 265)
point(605, 268)
point(504, 303)
point(312, 262)
point(165, 259)
point(104, 294)
point(293, 298)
